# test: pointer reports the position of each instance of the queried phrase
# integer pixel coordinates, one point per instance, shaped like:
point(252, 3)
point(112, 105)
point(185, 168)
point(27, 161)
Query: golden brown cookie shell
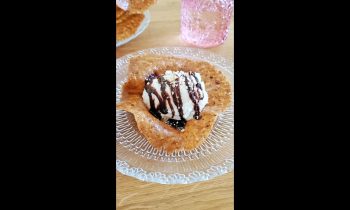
point(138, 7)
point(128, 24)
point(119, 12)
point(158, 133)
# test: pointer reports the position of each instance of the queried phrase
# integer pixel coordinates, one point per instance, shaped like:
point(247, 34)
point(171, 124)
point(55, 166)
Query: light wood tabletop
point(164, 30)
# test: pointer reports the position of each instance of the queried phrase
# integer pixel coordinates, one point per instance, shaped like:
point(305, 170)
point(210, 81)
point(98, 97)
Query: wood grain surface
point(132, 194)
point(216, 194)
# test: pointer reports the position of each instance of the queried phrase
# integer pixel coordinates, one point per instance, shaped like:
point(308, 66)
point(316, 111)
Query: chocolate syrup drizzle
point(176, 95)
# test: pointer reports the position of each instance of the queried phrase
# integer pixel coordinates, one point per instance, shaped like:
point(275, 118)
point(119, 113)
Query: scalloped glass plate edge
point(176, 178)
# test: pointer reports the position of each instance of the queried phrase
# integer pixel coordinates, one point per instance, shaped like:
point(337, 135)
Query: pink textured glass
point(205, 23)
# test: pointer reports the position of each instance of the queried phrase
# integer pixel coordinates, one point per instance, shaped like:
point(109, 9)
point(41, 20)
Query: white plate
point(141, 28)
point(137, 158)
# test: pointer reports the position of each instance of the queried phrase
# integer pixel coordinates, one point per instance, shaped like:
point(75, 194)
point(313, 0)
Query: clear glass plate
point(137, 158)
point(141, 28)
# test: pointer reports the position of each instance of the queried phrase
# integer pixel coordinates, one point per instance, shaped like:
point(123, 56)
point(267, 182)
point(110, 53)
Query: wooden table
point(164, 30)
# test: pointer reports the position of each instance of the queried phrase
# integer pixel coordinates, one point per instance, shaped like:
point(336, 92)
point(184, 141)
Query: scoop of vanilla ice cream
point(188, 106)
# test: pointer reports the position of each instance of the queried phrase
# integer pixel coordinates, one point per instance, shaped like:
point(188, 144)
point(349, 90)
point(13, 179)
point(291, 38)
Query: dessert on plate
point(175, 101)
point(128, 26)
point(130, 17)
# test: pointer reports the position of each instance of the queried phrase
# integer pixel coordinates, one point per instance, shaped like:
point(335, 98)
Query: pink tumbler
point(205, 23)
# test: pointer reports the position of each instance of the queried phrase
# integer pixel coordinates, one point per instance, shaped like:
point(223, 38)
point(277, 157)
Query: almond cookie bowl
point(130, 26)
point(173, 142)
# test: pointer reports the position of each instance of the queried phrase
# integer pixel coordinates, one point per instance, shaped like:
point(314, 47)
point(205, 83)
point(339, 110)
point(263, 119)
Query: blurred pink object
point(205, 23)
